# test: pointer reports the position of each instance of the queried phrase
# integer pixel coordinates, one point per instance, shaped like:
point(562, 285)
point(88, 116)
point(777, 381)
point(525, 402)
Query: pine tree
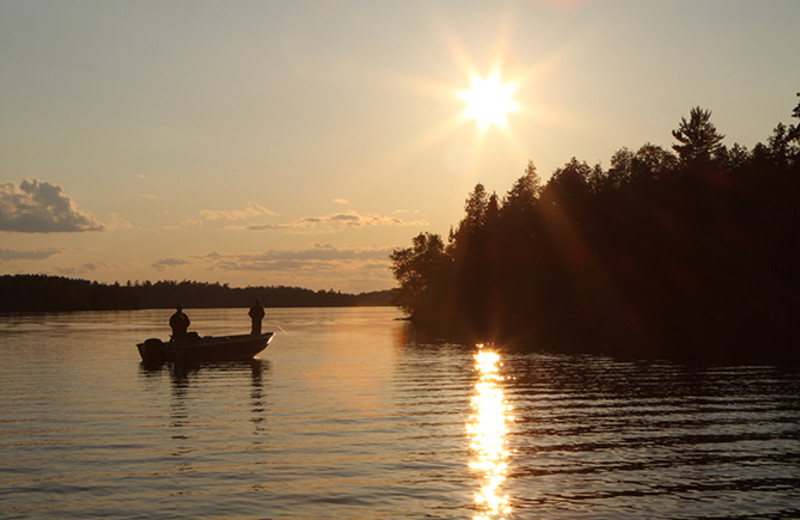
point(524, 192)
point(700, 142)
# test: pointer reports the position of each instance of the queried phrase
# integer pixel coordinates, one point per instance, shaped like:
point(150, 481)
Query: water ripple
point(351, 416)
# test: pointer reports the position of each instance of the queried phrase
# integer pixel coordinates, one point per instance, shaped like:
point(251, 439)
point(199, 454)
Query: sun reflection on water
point(487, 430)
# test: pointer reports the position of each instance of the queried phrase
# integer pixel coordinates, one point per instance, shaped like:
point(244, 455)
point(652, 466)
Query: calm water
point(346, 415)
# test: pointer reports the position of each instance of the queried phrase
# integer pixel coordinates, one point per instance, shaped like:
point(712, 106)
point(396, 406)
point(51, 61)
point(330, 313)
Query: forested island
point(692, 252)
point(42, 293)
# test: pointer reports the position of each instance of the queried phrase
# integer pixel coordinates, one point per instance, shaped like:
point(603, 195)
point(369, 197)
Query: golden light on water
point(487, 430)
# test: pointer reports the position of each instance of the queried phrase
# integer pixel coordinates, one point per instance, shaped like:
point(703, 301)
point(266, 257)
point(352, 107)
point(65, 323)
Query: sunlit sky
point(298, 143)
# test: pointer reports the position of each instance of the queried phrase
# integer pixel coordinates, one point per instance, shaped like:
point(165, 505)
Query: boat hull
point(214, 348)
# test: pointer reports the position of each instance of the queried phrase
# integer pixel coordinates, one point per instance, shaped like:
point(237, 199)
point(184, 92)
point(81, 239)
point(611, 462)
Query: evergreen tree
point(794, 137)
point(796, 111)
point(635, 261)
point(780, 146)
point(476, 206)
point(699, 140)
point(525, 191)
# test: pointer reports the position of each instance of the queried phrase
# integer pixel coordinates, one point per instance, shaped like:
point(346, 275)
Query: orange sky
point(298, 143)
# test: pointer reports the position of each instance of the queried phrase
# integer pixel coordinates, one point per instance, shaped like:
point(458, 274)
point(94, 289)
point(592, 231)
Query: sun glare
point(489, 101)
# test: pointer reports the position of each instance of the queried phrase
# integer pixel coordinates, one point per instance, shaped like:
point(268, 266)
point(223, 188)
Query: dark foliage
point(694, 256)
point(39, 293)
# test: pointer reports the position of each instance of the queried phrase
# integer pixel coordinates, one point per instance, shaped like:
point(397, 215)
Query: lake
point(349, 415)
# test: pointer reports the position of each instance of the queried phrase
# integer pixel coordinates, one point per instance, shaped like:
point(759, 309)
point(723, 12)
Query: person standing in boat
point(179, 322)
point(256, 315)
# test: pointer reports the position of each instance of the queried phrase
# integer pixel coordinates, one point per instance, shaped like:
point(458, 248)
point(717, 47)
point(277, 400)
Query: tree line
point(42, 293)
point(693, 252)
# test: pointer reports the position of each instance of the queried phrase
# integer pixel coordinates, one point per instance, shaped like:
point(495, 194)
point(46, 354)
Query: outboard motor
point(153, 351)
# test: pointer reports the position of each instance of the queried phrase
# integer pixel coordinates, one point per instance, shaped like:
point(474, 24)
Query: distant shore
point(44, 293)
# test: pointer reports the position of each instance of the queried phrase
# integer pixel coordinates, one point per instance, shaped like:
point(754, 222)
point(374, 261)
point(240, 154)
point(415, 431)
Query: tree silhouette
point(39, 293)
point(475, 208)
point(417, 268)
point(796, 111)
point(698, 138)
point(691, 256)
point(524, 192)
point(794, 136)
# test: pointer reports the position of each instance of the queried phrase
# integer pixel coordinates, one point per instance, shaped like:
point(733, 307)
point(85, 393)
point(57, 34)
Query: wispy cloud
point(39, 254)
point(75, 271)
point(251, 210)
point(322, 266)
point(341, 201)
point(41, 207)
point(118, 222)
point(169, 262)
point(208, 215)
point(338, 221)
point(320, 257)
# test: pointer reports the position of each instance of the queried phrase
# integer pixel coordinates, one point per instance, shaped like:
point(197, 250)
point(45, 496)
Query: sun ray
point(489, 100)
point(491, 81)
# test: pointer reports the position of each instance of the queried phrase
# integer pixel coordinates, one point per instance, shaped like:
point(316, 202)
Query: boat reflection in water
point(487, 430)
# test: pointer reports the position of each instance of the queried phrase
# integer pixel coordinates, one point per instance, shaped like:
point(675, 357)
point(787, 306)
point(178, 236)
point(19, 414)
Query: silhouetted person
point(179, 322)
point(256, 315)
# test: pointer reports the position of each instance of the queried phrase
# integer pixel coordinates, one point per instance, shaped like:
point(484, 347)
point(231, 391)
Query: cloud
point(74, 271)
point(169, 262)
point(40, 254)
point(251, 210)
point(341, 201)
point(338, 221)
point(317, 258)
point(118, 222)
point(268, 227)
point(321, 266)
point(41, 207)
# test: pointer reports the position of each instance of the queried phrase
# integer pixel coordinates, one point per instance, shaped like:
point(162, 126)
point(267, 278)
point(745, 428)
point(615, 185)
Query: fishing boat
point(209, 348)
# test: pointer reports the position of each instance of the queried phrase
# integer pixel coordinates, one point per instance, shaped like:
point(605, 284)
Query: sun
point(489, 100)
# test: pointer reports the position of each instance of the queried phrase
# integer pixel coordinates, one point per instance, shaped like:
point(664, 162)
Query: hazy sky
point(298, 143)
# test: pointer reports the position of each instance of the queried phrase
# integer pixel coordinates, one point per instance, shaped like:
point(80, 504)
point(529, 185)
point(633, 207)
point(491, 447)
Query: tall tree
point(476, 206)
point(474, 221)
point(796, 111)
point(654, 161)
point(794, 136)
point(780, 146)
point(621, 171)
point(699, 141)
point(417, 269)
point(569, 184)
point(523, 194)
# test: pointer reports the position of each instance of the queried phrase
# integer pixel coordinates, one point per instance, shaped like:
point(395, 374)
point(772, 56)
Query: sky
point(298, 143)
